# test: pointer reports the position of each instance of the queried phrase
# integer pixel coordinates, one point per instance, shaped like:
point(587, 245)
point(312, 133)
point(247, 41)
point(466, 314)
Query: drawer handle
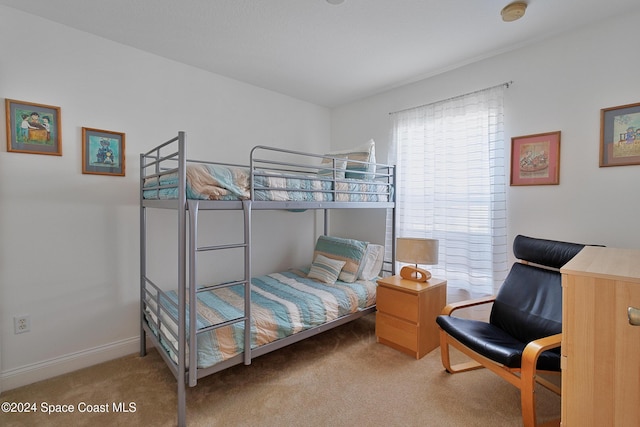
point(634, 316)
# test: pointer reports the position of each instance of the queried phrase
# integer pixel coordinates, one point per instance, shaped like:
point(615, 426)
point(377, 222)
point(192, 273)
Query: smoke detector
point(513, 11)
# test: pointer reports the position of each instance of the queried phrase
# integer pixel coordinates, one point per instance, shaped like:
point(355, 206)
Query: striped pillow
point(348, 250)
point(325, 269)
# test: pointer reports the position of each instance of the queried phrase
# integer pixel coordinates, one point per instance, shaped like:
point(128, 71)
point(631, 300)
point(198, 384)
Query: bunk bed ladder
point(194, 288)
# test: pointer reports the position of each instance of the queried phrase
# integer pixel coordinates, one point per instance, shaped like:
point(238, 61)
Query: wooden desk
point(600, 347)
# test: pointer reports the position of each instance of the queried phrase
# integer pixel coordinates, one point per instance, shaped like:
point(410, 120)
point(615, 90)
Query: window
point(451, 186)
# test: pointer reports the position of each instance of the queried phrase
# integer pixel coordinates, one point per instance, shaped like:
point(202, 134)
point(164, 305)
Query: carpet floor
point(341, 377)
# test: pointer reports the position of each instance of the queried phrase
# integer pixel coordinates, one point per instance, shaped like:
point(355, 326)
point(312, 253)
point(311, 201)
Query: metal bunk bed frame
point(187, 212)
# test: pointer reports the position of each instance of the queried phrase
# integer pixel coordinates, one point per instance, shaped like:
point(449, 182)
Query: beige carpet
point(339, 378)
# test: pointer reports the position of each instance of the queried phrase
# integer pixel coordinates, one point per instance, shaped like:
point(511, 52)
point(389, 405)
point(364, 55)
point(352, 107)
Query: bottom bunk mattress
point(282, 304)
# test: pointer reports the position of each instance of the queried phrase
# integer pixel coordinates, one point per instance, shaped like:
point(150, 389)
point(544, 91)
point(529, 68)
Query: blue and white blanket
point(219, 182)
point(204, 182)
point(282, 304)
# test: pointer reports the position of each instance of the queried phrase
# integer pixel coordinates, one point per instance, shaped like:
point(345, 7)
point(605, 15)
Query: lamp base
point(414, 273)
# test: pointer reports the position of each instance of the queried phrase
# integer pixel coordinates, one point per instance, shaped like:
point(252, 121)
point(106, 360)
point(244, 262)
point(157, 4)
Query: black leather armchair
point(523, 334)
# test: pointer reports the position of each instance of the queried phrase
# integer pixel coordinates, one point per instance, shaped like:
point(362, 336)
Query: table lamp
point(416, 251)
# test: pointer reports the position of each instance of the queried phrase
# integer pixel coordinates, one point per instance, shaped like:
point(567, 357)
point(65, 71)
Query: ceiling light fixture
point(513, 11)
point(335, 1)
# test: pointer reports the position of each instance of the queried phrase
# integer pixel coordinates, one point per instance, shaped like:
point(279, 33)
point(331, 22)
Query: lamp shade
point(417, 251)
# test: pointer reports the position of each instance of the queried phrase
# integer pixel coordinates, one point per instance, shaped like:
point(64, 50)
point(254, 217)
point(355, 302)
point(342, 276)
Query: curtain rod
point(505, 84)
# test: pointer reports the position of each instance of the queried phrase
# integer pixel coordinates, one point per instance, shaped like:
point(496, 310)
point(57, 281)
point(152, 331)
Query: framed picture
point(102, 152)
point(620, 135)
point(535, 159)
point(33, 128)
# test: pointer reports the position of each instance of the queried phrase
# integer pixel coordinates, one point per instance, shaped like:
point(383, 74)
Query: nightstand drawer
point(398, 331)
point(397, 303)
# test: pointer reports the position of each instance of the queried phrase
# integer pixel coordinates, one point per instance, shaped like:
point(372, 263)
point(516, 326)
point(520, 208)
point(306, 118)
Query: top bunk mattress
point(272, 175)
point(221, 182)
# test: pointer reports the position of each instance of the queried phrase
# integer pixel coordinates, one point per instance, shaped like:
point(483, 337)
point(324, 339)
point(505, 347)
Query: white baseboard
point(35, 372)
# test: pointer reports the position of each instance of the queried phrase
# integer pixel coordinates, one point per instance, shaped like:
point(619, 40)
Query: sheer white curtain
point(451, 177)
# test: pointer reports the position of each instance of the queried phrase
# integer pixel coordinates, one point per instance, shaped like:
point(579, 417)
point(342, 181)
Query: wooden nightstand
point(407, 311)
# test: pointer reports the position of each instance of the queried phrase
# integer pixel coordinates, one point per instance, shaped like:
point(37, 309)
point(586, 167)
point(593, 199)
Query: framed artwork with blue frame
point(620, 135)
point(33, 128)
point(103, 152)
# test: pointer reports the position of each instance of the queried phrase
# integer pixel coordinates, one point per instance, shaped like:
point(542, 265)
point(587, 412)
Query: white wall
point(559, 84)
point(69, 243)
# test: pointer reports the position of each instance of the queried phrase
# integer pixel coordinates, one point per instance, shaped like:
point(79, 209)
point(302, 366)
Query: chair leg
point(444, 351)
point(527, 397)
point(446, 360)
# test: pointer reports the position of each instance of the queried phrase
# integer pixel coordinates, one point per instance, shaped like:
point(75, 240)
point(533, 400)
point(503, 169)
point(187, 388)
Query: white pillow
point(364, 153)
point(340, 167)
point(372, 260)
point(325, 269)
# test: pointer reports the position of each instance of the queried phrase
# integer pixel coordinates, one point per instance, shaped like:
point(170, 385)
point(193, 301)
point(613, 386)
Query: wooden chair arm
point(450, 308)
point(533, 350)
point(528, 376)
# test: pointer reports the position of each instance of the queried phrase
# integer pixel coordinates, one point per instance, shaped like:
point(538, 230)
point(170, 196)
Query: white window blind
point(451, 186)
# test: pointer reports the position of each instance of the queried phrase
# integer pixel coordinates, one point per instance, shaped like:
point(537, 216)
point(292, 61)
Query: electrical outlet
point(21, 324)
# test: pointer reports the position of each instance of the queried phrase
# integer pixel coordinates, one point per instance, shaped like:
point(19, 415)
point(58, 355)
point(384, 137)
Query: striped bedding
point(282, 304)
point(204, 182)
point(311, 189)
point(219, 182)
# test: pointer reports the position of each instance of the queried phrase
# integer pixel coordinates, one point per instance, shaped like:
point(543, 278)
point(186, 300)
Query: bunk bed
point(332, 291)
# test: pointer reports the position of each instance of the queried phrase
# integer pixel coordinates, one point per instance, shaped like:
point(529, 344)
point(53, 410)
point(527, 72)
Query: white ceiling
point(315, 51)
